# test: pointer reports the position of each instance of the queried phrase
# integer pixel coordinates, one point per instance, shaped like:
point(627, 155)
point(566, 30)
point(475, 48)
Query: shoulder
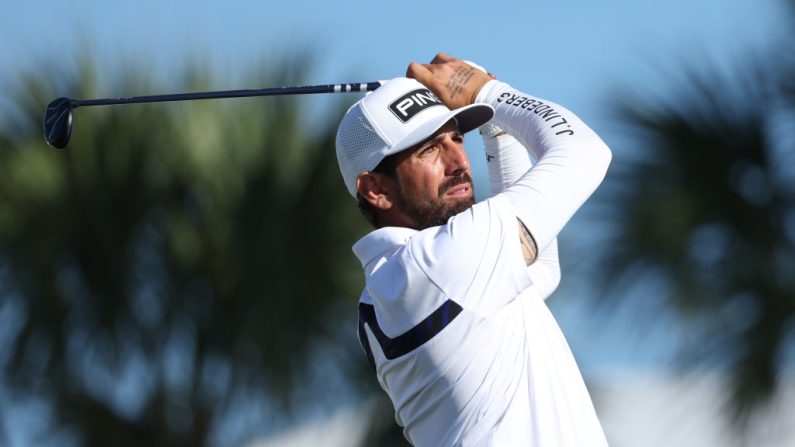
point(451, 246)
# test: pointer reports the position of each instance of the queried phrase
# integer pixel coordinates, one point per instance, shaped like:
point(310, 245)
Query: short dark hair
point(388, 167)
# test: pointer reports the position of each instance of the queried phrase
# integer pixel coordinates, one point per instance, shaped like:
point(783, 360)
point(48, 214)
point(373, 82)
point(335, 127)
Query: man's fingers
point(451, 79)
point(424, 72)
point(419, 72)
point(442, 58)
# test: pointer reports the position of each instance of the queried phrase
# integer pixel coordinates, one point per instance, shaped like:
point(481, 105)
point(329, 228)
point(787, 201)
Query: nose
point(456, 159)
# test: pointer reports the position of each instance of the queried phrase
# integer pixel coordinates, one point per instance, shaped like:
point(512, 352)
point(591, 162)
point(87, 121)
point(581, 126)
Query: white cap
point(396, 116)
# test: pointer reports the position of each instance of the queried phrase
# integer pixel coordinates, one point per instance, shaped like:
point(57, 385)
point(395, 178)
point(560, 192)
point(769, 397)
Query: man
point(452, 317)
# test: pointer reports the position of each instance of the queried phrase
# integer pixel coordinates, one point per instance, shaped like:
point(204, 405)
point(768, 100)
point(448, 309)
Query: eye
point(429, 149)
point(458, 137)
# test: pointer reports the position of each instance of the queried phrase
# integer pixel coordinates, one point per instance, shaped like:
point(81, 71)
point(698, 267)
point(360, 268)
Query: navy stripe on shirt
point(409, 340)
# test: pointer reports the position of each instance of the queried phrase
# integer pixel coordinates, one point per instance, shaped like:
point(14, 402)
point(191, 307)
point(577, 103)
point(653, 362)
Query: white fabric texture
point(572, 159)
point(499, 372)
point(507, 160)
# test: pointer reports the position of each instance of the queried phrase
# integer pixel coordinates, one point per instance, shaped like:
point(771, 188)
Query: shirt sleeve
point(507, 161)
point(475, 259)
point(571, 159)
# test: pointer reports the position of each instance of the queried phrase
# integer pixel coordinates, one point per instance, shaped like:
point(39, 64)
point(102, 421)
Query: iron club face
point(58, 123)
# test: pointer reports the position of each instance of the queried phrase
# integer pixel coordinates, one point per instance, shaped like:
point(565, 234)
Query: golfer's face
point(435, 178)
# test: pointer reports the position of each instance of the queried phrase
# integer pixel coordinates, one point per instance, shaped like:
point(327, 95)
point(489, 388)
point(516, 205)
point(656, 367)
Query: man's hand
point(454, 81)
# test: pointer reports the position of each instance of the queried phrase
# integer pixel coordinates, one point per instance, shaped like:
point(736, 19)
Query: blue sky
point(569, 52)
point(579, 54)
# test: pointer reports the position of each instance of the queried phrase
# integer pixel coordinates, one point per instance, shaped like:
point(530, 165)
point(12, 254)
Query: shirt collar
point(380, 241)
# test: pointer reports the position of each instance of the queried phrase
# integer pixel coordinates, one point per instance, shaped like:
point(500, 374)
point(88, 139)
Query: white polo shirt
point(462, 341)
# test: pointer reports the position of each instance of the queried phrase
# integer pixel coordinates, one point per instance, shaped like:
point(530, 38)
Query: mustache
point(455, 181)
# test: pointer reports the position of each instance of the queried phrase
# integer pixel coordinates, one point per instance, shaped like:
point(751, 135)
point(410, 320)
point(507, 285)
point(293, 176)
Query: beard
point(431, 212)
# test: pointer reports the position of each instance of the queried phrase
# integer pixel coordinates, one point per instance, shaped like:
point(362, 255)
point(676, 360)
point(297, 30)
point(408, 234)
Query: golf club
point(58, 115)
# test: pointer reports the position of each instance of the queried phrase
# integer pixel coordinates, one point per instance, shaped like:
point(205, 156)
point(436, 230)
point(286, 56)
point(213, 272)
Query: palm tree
point(704, 201)
point(178, 267)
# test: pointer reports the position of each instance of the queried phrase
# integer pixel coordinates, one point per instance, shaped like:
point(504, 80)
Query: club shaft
point(276, 91)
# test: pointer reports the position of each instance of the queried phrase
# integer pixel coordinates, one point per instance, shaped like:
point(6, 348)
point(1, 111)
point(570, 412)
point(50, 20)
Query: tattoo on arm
point(459, 78)
point(529, 249)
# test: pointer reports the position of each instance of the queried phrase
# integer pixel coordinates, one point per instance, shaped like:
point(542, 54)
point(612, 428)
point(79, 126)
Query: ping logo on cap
point(409, 105)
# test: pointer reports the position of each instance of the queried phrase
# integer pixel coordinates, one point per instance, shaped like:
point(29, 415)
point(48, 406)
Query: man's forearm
point(507, 160)
point(571, 159)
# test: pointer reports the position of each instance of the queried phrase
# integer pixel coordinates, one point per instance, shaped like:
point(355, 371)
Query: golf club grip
point(276, 91)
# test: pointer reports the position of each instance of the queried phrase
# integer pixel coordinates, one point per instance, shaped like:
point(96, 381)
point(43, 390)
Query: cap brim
point(468, 117)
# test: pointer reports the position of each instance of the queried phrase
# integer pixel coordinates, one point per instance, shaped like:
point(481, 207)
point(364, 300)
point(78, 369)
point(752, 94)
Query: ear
point(376, 189)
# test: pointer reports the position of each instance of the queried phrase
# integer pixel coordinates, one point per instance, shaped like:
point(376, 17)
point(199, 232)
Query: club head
point(58, 123)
